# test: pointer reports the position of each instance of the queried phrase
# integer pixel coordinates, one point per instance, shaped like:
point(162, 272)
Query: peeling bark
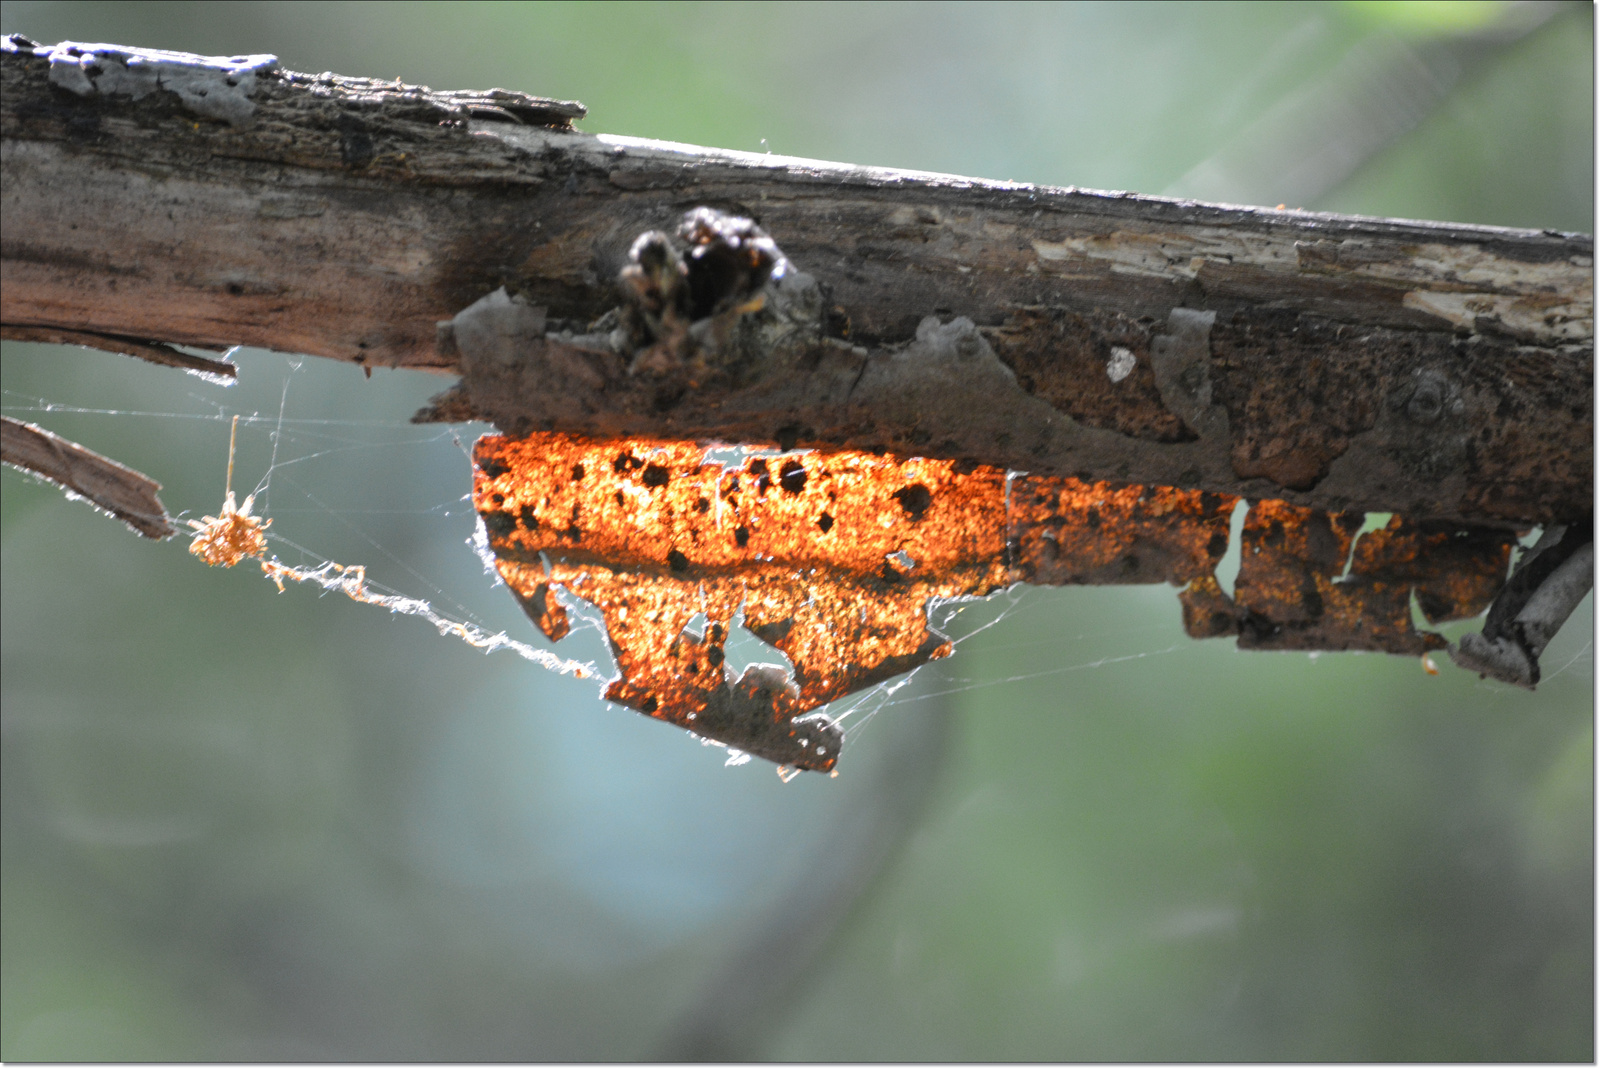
point(153, 351)
point(1340, 363)
point(836, 559)
point(1555, 575)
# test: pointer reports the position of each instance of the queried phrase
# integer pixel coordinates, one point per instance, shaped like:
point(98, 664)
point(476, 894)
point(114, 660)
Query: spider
point(233, 534)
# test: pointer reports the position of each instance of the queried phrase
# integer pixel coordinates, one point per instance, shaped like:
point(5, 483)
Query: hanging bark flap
point(833, 559)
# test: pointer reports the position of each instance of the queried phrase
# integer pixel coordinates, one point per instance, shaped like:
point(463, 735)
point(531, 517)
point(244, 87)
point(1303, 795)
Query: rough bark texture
point(1342, 363)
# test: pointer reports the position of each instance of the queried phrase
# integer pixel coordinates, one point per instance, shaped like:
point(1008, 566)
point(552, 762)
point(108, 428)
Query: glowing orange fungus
point(834, 558)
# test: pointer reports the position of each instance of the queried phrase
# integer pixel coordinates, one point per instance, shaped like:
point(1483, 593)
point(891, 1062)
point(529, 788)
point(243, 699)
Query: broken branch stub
point(1553, 577)
point(86, 475)
point(1440, 371)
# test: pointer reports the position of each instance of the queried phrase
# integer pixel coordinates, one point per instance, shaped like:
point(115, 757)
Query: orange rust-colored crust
point(834, 558)
point(1293, 591)
point(1067, 531)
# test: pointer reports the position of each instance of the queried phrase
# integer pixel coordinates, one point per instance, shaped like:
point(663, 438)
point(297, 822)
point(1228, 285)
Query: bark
point(1554, 577)
point(155, 352)
point(105, 484)
point(1439, 370)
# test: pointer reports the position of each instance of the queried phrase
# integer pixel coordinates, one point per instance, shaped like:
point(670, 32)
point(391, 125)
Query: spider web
point(366, 504)
point(320, 479)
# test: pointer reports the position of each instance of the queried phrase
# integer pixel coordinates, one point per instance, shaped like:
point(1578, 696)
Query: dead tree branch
point(153, 351)
point(1438, 370)
point(123, 492)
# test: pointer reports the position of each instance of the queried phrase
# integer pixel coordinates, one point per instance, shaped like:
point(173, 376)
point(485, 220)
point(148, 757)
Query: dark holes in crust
point(915, 499)
point(655, 475)
point(758, 468)
point(792, 477)
point(499, 524)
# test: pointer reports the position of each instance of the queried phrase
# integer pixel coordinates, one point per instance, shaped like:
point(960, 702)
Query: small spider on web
point(235, 534)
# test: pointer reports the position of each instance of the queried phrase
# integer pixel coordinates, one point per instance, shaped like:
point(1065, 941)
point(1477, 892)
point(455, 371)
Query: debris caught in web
point(235, 534)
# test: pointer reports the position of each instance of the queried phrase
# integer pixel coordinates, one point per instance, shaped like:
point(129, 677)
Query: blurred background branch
point(1307, 144)
point(737, 1010)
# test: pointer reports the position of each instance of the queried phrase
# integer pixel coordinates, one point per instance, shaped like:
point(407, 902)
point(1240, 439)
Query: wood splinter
point(126, 494)
point(155, 352)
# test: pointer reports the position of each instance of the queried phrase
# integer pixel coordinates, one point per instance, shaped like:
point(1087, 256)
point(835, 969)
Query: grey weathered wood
point(1554, 576)
point(124, 493)
point(1435, 369)
point(153, 351)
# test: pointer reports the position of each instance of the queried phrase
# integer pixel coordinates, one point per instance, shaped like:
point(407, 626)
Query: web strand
point(351, 581)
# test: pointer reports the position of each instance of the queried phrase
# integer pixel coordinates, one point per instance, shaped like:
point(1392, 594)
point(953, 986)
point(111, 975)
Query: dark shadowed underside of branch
point(1438, 370)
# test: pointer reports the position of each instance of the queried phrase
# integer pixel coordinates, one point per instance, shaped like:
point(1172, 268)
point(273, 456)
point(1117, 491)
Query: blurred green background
point(244, 825)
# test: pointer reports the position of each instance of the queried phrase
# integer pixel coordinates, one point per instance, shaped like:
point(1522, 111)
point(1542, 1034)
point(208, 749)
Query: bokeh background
point(245, 825)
